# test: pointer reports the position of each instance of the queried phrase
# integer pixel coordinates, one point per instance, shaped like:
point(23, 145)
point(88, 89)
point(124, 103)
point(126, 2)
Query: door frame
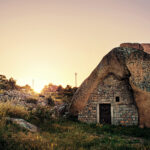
point(98, 113)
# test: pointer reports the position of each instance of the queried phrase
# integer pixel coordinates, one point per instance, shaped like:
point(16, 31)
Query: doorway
point(105, 113)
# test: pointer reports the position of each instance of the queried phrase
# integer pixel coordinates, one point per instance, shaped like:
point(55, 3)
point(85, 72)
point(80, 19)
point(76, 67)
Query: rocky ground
point(22, 98)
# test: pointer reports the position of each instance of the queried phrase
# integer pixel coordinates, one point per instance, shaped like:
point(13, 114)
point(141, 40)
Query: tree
point(27, 88)
point(60, 88)
point(3, 82)
point(68, 93)
point(12, 83)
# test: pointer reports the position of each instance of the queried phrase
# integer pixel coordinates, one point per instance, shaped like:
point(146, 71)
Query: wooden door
point(105, 113)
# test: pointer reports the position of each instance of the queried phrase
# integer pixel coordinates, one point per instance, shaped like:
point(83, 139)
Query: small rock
point(23, 123)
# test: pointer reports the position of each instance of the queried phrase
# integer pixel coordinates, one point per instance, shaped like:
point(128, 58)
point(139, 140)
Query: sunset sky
point(50, 40)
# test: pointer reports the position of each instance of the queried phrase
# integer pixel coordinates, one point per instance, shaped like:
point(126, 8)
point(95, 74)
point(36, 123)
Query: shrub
point(41, 113)
point(67, 93)
point(50, 101)
point(31, 100)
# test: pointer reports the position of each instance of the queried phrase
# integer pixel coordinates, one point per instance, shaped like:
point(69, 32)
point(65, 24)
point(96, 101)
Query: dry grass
point(31, 141)
point(8, 109)
point(1, 91)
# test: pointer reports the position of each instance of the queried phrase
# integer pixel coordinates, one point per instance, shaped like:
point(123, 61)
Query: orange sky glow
point(50, 40)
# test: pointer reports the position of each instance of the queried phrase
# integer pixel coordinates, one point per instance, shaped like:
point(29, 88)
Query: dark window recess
point(117, 99)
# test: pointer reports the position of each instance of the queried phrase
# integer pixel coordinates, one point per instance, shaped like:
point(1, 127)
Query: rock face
point(129, 65)
point(132, 45)
point(144, 46)
point(22, 98)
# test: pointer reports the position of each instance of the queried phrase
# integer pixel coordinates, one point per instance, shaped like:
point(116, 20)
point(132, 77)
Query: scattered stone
point(22, 123)
point(63, 109)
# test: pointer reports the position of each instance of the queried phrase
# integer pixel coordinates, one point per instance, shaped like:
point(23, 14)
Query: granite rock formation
point(128, 62)
point(143, 46)
point(132, 45)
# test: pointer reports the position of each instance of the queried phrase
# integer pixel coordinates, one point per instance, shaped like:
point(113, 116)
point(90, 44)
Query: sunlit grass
point(8, 109)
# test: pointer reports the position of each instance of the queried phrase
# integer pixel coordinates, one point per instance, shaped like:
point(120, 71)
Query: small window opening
point(117, 99)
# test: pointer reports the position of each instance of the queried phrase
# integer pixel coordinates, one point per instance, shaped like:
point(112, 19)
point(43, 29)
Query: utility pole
point(32, 83)
point(76, 79)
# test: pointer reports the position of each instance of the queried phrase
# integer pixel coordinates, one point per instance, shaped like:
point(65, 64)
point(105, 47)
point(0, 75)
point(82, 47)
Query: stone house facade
point(111, 102)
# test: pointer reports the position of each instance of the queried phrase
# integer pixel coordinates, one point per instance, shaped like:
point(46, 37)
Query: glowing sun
point(38, 86)
point(38, 89)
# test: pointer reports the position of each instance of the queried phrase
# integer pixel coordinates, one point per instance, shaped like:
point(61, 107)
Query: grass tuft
point(8, 109)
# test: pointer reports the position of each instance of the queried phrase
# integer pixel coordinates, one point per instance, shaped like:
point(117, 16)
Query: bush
point(67, 93)
point(41, 113)
point(31, 100)
point(50, 101)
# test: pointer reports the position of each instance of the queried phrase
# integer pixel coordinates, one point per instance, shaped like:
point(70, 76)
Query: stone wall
point(125, 115)
point(123, 112)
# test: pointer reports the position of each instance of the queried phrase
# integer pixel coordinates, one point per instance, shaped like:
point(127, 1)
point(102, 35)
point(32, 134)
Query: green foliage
point(7, 84)
point(122, 130)
point(50, 101)
point(40, 114)
point(67, 93)
point(12, 83)
point(50, 88)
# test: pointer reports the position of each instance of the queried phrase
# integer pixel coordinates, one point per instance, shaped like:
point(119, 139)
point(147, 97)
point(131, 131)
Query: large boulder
point(126, 63)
